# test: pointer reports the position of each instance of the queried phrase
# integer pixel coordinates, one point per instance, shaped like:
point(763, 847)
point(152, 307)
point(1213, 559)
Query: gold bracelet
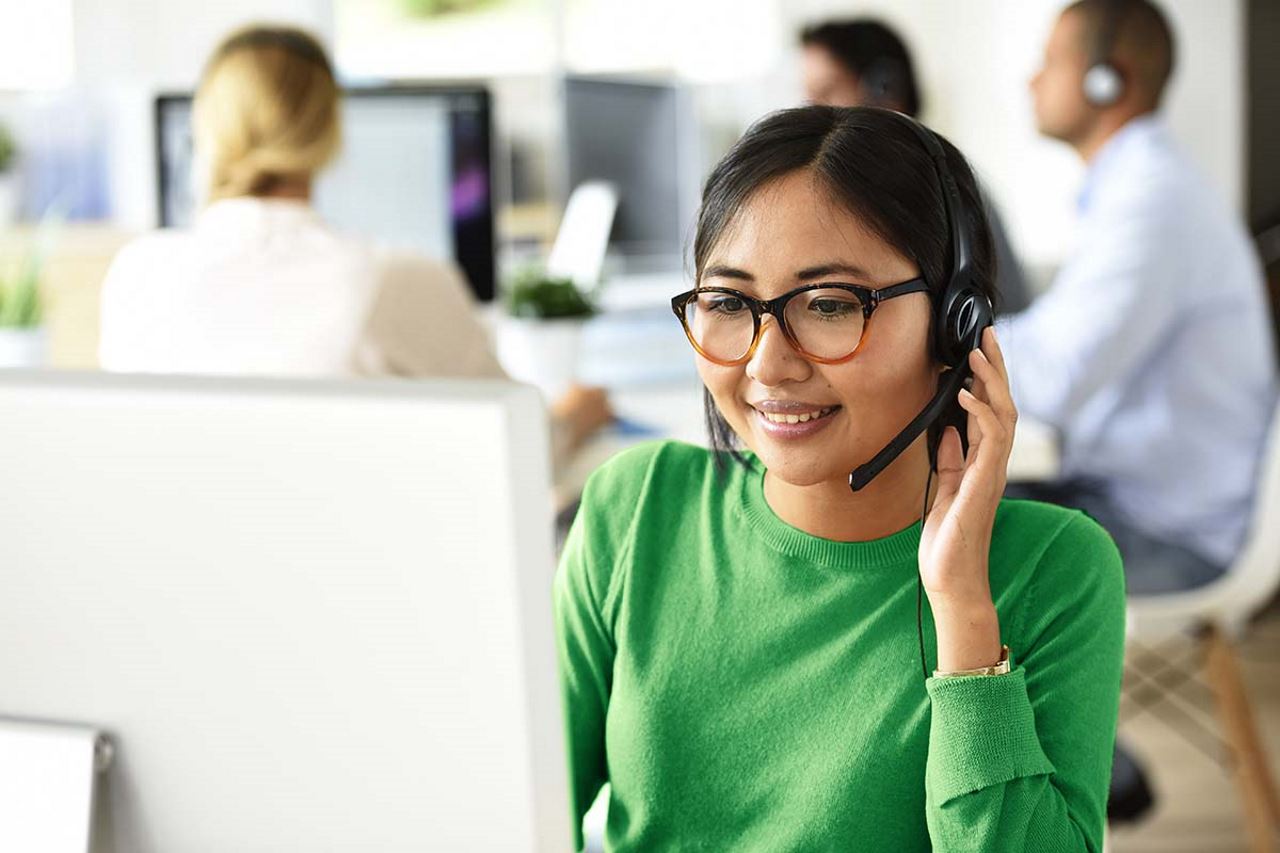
point(1001, 667)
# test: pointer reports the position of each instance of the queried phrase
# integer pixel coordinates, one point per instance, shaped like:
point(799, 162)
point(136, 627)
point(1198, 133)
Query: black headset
point(960, 316)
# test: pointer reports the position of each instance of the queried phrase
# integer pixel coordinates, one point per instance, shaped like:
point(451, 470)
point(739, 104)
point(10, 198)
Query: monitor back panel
point(313, 616)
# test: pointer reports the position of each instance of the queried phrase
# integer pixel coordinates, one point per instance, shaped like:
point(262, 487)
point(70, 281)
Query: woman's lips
point(791, 420)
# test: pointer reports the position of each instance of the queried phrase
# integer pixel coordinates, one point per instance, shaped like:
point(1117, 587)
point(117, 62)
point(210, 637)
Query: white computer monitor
point(313, 616)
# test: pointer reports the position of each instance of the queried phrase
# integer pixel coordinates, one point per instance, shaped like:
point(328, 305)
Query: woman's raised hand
point(956, 540)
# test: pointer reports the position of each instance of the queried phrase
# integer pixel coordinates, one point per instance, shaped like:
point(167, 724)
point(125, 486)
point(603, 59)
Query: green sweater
point(743, 685)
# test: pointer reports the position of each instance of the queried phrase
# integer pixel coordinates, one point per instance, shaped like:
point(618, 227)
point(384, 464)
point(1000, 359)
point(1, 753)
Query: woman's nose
point(775, 361)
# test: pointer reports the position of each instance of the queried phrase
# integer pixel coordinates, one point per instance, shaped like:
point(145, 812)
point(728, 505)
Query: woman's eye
point(828, 307)
point(726, 305)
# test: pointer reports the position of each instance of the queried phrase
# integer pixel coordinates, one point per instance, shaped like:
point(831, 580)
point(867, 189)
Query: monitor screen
point(633, 135)
point(414, 172)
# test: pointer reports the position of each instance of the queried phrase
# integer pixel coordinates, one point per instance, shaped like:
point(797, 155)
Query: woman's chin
point(800, 472)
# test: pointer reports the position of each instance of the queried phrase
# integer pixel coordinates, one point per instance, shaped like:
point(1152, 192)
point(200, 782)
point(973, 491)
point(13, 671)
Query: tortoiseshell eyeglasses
point(825, 323)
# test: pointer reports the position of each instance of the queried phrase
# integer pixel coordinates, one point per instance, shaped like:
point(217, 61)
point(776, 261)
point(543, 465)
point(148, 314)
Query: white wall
point(164, 43)
point(35, 44)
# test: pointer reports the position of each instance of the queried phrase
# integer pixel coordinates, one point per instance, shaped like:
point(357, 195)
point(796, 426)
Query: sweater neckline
point(894, 550)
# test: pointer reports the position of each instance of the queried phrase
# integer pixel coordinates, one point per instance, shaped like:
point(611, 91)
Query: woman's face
point(781, 239)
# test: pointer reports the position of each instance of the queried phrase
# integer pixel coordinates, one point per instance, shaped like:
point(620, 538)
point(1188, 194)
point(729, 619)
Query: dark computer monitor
point(415, 171)
point(638, 136)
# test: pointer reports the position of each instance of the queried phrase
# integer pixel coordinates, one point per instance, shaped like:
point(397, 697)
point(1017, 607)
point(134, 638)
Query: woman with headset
point(830, 631)
point(262, 285)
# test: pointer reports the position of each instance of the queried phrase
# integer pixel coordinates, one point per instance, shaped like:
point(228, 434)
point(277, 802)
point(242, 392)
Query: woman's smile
point(793, 419)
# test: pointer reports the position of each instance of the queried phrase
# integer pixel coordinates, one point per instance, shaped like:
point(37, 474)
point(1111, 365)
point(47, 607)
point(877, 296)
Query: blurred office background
point(494, 111)
point(79, 81)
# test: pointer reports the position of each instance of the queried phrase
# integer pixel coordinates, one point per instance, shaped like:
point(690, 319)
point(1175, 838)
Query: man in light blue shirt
point(1153, 352)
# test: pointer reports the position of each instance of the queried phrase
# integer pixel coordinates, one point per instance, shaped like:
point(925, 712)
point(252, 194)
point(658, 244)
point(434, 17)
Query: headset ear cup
point(960, 331)
point(968, 312)
point(955, 308)
point(976, 316)
point(1103, 85)
point(966, 319)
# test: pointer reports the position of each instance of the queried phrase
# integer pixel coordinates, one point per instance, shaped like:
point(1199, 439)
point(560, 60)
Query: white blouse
point(264, 287)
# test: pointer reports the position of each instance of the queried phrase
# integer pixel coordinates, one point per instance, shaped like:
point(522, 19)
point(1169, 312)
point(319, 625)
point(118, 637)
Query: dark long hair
point(871, 162)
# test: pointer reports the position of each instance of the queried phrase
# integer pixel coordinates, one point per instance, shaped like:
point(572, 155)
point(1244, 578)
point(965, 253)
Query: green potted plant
point(8, 177)
point(438, 8)
point(538, 339)
point(23, 341)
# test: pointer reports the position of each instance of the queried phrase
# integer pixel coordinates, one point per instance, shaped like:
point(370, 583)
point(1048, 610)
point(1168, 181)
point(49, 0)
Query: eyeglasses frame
point(871, 297)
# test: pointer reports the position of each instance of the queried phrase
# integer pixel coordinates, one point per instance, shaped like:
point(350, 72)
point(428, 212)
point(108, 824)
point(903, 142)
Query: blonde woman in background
point(261, 285)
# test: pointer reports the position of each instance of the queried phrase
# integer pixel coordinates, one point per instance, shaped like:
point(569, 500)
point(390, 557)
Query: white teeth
point(795, 419)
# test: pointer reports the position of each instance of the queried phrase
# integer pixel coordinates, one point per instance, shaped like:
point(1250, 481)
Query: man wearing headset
point(1152, 352)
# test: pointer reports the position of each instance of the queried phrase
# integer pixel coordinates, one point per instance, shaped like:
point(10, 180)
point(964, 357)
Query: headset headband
point(1104, 42)
point(951, 203)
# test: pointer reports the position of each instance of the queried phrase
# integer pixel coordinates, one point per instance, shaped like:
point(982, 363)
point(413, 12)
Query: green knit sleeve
point(1023, 761)
point(584, 598)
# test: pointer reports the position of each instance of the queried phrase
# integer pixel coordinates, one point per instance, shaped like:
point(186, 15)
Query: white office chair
point(1217, 614)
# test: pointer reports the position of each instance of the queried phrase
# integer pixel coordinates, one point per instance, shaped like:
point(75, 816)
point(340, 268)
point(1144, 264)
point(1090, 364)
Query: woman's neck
point(830, 510)
point(291, 189)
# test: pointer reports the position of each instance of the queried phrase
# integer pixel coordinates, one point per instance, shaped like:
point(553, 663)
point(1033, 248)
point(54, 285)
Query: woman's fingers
point(992, 415)
point(973, 427)
point(995, 355)
point(989, 457)
point(988, 421)
point(977, 386)
point(995, 387)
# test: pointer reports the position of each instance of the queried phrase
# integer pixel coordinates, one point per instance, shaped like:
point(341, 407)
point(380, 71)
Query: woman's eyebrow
point(835, 268)
point(819, 271)
point(722, 271)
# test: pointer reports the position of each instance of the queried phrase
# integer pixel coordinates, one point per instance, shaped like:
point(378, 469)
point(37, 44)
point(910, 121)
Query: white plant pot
point(27, 348)
point(543, 353)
